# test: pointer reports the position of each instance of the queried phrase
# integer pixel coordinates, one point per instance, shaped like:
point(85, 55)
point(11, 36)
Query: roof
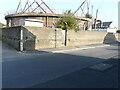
point(33, 15)
point(43, 15)
point(105, 24)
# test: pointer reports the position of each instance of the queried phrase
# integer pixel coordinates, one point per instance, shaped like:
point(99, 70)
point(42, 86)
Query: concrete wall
point(117, 35)
point(38, 38)
point(89, 37)
point(33, 37)
point(42, 37)
point(11, 36)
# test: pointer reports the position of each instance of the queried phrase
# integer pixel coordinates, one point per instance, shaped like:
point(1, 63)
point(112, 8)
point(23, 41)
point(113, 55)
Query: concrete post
point(21, 40)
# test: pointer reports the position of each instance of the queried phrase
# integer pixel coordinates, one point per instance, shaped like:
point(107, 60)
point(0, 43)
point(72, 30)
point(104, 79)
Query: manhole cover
point(101, 66)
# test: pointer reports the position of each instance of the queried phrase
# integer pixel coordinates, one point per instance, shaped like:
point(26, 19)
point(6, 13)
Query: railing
point(57, 11)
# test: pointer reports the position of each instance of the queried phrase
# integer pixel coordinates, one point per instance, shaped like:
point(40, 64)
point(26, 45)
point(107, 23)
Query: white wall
point(102, 30)
point(30, 23)
point(111, 30)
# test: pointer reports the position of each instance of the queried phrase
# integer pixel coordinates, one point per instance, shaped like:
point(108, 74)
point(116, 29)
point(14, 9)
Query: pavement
point(37, 67)
point(66, 49)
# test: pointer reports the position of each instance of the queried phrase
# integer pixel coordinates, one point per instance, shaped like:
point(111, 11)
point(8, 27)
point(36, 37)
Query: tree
point(68, 21)
point(2, 25)
point(88, 16)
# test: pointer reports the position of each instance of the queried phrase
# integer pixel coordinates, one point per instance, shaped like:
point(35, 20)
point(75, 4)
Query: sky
point(107, 9)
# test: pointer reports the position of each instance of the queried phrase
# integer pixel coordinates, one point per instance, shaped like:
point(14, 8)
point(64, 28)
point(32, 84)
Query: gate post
point(21, 40)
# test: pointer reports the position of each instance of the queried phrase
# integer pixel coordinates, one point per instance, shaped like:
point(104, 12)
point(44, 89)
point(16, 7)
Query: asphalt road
point(20, 70)
point(86, 78)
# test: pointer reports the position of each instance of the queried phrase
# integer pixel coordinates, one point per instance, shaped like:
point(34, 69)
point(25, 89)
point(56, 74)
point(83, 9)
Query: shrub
point(68, 21)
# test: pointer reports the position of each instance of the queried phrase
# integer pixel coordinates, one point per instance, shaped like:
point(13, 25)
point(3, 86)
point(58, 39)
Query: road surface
point(24, 70)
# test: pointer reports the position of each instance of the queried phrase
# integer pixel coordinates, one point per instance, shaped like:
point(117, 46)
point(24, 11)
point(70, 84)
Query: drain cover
point(101, 66)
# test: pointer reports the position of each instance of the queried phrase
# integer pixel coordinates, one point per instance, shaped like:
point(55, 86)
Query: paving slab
point(101, 66)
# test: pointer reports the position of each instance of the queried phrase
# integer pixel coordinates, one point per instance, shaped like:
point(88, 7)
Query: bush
point(68, 21)
point(118, 31)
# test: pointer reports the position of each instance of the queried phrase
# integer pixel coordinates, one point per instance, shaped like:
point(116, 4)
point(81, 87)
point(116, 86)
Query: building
point(41, 15)
point(106, 27)
point(48, 19)
point(27, 22)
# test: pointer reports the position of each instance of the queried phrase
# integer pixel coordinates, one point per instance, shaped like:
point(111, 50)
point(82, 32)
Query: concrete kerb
point(83, 48)
point(61, 49)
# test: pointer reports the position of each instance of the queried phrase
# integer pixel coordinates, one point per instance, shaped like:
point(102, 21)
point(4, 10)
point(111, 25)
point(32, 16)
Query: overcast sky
point(108, 9)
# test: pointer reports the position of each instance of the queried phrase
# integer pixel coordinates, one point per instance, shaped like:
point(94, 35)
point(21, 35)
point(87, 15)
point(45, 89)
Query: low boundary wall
point(89, 37)
point(39, 38)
